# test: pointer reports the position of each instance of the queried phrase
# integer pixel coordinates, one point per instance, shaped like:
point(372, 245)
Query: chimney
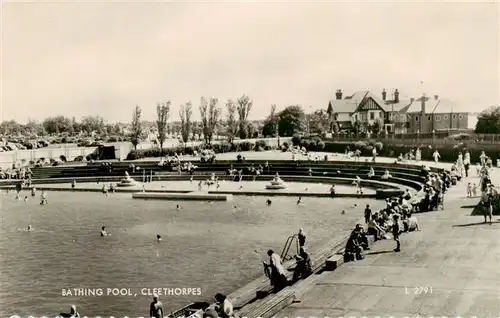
point(423, 99)
point(396, 96)
point(436, 97)
point(384, 94)
point(339, 94)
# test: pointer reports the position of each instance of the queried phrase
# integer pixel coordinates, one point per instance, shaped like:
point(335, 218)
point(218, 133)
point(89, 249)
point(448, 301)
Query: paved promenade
point(450, 268)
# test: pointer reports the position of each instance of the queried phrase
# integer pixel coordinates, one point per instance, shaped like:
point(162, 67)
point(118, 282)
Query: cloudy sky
point(86, 58)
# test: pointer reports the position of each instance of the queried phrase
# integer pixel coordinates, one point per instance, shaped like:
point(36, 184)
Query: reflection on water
point(214, 246)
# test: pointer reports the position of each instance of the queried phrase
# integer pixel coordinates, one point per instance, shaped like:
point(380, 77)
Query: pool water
point(217, 247)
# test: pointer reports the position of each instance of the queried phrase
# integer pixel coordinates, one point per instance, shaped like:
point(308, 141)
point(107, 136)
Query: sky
point(78, 58)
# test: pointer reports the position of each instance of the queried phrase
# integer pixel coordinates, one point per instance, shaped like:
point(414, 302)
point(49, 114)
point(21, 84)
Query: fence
point(427, 139)
point(121, 150)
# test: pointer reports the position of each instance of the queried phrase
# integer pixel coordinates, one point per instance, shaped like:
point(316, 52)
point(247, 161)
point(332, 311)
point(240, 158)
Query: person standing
point(156, 308)
point(278, 276)
point(467, 163)
point(396, 230)
point(436, 156)
point(368, 214)
point(301, 236)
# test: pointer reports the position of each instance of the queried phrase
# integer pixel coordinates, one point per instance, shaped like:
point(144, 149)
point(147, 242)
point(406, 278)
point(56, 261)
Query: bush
point(63, 158)
point(112, 139)
point(296, 140)
point(369, 150)
point(360, 145)
point(246, 146)
point(320, 146)
point(260, 144)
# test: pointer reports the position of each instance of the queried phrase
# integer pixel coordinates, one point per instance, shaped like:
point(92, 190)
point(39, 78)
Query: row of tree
point(60, 124)
point(236, 121)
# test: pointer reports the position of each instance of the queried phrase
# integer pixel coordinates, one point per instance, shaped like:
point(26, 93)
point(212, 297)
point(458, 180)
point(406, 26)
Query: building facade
point(420, 115)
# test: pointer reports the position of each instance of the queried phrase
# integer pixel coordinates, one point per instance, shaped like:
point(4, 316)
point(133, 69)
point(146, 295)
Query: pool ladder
point(290, 242)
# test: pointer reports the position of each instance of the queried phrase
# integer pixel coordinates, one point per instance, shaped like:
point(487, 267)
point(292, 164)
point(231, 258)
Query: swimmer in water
point(299, 200)
point(241, 187)
point(343, 212)
point(103, 231)
point(26, 199)
point(43, 198)
point(158, 237)
point(33, 192)
point(29, 228)
point(178, 207)
point(269, 201)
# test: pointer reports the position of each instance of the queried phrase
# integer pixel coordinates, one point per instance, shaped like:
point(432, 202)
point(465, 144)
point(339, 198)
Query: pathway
point(450, 268)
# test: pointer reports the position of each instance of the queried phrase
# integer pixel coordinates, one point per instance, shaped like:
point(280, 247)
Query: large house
point(420, 115)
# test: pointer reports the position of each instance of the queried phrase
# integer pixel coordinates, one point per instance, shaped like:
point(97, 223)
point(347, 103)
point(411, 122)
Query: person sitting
point(332, 189)
point(374, 229)
point(361, 237)
point(72, 313)
point(371, 173)
point(223, 307)
point(303, 268)
point(353, 250)
point(386, 175)
point(411, 223)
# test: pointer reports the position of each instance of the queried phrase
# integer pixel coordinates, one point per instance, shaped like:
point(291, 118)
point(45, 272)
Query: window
point(356, 117)
point(454, 116)
point(428, 117)
point(372, 116)
point(437, 118)
point(445, 117)
point(461, 116)
point(416, 118)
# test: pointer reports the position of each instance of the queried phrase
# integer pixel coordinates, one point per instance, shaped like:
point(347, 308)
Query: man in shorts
point(396, 230)
point(489, 202)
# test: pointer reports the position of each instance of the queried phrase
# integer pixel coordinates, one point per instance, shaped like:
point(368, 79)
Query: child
point(474, 190)
point(469, 190)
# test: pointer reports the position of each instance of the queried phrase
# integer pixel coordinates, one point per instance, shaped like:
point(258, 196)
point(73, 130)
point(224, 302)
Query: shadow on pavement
point(476, 223)
point(379, 252)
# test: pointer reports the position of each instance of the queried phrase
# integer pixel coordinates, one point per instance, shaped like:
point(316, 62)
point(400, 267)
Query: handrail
point(287, 246)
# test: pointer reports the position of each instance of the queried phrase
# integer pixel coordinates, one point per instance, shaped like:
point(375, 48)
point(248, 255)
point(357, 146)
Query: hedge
point(448, 153)
point(259, 145)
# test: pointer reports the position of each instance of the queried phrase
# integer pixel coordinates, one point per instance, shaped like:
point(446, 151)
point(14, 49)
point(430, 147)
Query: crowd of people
point(394, 219)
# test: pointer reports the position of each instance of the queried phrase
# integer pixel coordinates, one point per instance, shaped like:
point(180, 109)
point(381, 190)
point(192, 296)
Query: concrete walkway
point(450, 268)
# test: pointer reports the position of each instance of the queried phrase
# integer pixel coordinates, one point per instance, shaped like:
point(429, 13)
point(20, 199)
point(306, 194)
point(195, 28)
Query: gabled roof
point(445, 106)
point(436, 106)
point(343, 105)
point(358, 96)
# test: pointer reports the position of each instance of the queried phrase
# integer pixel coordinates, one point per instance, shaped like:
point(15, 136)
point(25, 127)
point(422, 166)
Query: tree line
point(287, 122)
point(211, 116)
point(60, 124)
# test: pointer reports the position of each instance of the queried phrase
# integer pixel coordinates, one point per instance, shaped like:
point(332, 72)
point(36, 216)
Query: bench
point(334, 262)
